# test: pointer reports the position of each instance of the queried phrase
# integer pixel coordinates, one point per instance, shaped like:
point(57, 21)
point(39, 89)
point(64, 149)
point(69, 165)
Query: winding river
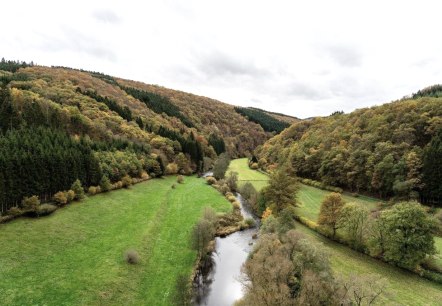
point(220, 284)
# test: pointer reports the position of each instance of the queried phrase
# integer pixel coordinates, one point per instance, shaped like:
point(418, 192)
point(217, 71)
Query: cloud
point(218, 64)
point(77, 42)
point(307, 91)
point(343, 55)
point(106, 16)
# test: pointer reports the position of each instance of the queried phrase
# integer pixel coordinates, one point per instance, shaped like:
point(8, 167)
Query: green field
point(258, 179)
point(310, 199)
point(405, 288)
point(75, 256)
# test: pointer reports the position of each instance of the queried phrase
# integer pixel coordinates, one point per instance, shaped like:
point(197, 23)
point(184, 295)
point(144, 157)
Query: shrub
point(117, 185)
point(7, 218)
point(92, 190)
point(228, 194)
point(144, 176)
point(210, 180)
point(15, 211)
point(126, 181)
point(432, 265)
point(60, 197)
point(132, 257)
point(30, 203)
point(180, 179)
point(173, 186)
point(97, 189)
point(254, 166)
point(78, 190)
point(172, 168)
point(105, 184)
point(231, 198)
point(250, 222)
point(46, 209)
point(236, 205)
point(70, 195)
point(223, 188)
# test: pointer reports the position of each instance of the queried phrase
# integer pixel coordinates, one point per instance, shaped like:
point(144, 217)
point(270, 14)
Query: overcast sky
point(303, 58)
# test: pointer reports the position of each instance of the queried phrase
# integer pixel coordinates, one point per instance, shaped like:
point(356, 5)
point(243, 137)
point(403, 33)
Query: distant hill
point(389, 150)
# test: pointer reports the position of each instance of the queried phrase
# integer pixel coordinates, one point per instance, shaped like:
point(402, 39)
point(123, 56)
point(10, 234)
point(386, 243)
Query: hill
point(58, 124)
point(390, 150)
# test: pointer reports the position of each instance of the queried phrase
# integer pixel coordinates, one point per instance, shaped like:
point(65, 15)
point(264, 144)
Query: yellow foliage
point(267, 213)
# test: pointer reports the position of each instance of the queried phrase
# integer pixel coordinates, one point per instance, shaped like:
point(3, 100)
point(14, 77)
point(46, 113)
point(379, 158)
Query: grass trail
point(75, 256)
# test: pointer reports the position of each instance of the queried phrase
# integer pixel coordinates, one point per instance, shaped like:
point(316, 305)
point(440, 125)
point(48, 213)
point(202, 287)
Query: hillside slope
point(101, 127)
point(394, 149)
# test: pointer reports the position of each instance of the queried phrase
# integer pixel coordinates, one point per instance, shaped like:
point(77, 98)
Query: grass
point(258, 179)
point(310, 199)
point(76, 255)
point(404, 288)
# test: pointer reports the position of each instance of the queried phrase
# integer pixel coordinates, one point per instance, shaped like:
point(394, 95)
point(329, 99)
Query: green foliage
point(267, 122)
point(105, 184)
point(353, 220)
point(127, 181)
point(124, 111)
point(232, 181)
point(158, 104)
point(30, 203)
point(378, 150)
point(13, 66)
point(434, 91)
point(408, 234)
point(281, 190)
point(217, 143)
point(432, 169)
point(221, 165)
point(49, 161)
point(46, 209)
point(77, 188)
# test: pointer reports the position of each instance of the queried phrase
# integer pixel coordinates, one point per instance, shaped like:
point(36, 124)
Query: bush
point(132, 257)
point(236, 205)
point(60, 198)
point(70, 195)
point(92, 190)
point(7, 218)
point(126, 181)
point(144, 176)
point(15, 211)
point(231, 198)
point(250, 222)
point(223, 188)
point(117, 185)
point(254, 166)
point(432, 265)
point(30, 203)
point(105, 184)
point(173, 186)
point(78, 190)
point(180, 179)
point(210, 180)
point(46, 209)
point(172, 168)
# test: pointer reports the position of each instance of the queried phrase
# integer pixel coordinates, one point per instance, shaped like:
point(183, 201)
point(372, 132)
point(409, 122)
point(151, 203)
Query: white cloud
point(301, 58)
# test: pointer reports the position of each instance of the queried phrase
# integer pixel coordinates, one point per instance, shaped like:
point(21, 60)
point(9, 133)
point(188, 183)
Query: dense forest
point(390, 150)
point(268, 123)
point(58, 125)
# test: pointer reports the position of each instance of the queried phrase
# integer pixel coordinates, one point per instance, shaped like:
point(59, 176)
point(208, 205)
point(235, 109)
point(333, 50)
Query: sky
point(301, 58)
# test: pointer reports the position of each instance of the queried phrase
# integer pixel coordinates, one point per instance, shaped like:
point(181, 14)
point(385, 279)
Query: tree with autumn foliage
point(280, 193)
point(330, 212)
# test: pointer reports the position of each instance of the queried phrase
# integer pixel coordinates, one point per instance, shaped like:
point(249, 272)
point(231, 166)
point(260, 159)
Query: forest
point(59, 125)
point(392, 150)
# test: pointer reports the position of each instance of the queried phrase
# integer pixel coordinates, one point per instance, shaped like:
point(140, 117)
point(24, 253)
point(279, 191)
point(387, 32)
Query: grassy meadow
point(258, 179)
point(404, 288)
point(75, 256)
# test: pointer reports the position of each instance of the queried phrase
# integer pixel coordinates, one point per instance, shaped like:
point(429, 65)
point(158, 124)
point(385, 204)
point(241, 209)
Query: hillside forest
point(58, 125)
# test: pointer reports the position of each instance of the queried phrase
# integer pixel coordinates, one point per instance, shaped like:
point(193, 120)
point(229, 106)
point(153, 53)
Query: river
point(221, 284)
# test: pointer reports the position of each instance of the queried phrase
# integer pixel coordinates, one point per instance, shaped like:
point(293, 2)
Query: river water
point(220, 285)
